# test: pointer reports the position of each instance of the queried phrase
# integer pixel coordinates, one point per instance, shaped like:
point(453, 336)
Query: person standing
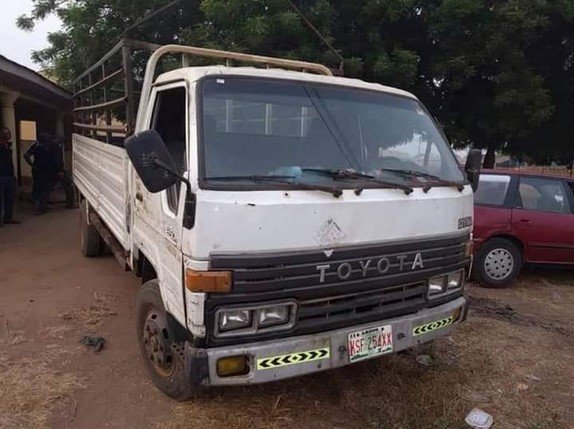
point(62, 176)
point(7, 179)
point(46, 159)
point(39, 157)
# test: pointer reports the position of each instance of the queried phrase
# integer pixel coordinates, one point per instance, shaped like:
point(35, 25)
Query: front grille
point(334, 311)
point(349, 292)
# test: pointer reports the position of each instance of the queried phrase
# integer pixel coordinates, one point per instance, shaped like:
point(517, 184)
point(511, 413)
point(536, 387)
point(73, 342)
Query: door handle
point(524, 220)
point(139, 196)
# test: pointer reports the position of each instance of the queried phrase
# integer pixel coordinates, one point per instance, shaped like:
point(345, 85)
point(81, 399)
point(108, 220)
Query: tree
point(552, 56)
point(496, 73)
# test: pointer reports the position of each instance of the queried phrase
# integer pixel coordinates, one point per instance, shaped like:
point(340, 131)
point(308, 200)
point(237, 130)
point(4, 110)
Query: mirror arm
point(190, 200)
point(175, 174)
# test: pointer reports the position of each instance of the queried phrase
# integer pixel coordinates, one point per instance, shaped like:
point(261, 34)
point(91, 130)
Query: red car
point(521, 218)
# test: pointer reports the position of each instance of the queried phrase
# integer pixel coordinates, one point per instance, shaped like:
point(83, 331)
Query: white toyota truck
point(283, 220)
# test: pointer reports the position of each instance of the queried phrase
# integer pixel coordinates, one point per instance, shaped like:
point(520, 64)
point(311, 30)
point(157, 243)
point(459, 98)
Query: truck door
point(158, 217)
point(543, 220)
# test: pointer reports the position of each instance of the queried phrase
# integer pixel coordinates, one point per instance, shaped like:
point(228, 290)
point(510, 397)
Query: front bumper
point(317, 352)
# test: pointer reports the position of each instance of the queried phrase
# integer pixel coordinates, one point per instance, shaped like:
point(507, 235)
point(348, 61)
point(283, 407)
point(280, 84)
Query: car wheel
point(498, 263)
point(161, 355)
point(90, 240)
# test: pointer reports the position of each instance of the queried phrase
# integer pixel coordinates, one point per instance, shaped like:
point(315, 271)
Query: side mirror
point(152, 160)
point(473, 166)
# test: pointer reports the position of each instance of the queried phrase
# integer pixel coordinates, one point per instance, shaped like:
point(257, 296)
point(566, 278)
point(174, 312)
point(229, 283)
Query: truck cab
point(284, 222)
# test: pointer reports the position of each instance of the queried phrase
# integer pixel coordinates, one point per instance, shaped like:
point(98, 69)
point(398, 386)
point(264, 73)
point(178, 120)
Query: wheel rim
point(157, 343)
point(499, 264)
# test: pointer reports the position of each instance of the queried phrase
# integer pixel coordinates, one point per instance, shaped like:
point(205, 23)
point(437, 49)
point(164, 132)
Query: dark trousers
point(7, 188)
point(66, 183)
point(44, 184)
point(41, 189)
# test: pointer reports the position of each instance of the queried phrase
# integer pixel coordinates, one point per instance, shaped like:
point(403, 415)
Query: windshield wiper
point(287, 180)
point(351, 174)
point(428, 176)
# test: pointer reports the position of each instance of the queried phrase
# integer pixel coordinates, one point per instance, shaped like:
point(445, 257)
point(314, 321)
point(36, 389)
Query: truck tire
point(498, 263)
point(164, 364)
point(90, 240)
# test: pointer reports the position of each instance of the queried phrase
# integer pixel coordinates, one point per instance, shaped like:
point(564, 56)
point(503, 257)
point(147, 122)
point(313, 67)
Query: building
point(31, 104)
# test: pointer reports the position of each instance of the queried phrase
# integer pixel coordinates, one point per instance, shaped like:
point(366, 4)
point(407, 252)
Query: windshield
point(264, 127)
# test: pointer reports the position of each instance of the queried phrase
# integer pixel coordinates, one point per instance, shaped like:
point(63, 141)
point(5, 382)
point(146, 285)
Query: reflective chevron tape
point(292, 359)
point(432, 326)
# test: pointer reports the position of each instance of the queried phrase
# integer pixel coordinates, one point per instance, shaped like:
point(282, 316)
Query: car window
point(492, 190)
point(544, 195)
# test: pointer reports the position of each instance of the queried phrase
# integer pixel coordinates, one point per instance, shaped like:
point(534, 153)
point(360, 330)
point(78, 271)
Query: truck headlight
point(445, 284)
point(255, 319)
point(437, 285)
point(454, 280)
point(273, 316)
point(230, 320)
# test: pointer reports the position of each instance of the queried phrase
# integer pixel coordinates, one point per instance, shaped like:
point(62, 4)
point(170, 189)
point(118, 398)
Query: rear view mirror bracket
point(190, 200)
point(157, 170)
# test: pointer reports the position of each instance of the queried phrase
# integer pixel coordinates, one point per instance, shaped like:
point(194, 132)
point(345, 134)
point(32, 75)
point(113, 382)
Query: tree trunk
point(489, 158)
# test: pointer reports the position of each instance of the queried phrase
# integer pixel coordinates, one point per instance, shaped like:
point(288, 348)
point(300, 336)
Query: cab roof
point(193, 74)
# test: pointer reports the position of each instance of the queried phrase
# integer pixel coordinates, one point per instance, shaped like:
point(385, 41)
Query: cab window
point(169, 121)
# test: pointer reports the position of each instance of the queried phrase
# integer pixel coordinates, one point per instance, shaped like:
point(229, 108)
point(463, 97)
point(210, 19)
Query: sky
point(16, 44)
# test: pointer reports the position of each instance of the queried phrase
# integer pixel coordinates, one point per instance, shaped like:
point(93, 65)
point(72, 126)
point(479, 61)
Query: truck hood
point(275, 221)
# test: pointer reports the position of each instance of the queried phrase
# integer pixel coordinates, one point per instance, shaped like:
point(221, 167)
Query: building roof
point(16, 77)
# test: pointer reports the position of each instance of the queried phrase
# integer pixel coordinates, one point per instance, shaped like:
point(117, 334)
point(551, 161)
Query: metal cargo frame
point(96, 91)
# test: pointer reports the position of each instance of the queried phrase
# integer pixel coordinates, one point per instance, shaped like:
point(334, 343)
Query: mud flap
point(196, 367)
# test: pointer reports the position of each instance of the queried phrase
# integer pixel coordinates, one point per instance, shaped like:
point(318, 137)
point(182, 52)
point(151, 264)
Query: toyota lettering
point(381, 266)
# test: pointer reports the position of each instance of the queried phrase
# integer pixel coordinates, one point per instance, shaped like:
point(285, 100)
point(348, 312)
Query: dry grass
point(30, 389)
point(521, 374)
point(30, 386)
point(91, 316)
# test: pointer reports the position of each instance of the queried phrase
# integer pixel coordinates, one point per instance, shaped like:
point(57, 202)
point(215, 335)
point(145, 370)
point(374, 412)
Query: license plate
point(370, 342)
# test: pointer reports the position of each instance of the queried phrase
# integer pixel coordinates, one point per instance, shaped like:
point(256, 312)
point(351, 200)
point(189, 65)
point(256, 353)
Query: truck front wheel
point(89, 235)
point(161, 355)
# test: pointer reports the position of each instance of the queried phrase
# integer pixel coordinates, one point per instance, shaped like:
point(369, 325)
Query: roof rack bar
point(102, 60)
point(112, 129)
point(224, 55)
point(100, 82)
point(101, 106)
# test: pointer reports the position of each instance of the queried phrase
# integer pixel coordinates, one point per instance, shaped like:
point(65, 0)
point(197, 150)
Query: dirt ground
point(514, 358)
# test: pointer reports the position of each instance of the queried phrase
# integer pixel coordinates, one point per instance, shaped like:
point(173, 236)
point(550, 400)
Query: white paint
point(238, 222)
point(277, 223)
point(100, 173)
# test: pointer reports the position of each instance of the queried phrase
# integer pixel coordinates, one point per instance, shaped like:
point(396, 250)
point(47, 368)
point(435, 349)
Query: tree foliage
point(496, 73)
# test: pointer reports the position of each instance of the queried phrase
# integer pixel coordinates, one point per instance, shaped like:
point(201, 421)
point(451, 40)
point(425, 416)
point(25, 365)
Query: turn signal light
point(208, 281)
point(233, 365)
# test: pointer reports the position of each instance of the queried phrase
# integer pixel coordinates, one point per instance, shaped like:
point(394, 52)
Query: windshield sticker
point(221, 81)
point(329, 233)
